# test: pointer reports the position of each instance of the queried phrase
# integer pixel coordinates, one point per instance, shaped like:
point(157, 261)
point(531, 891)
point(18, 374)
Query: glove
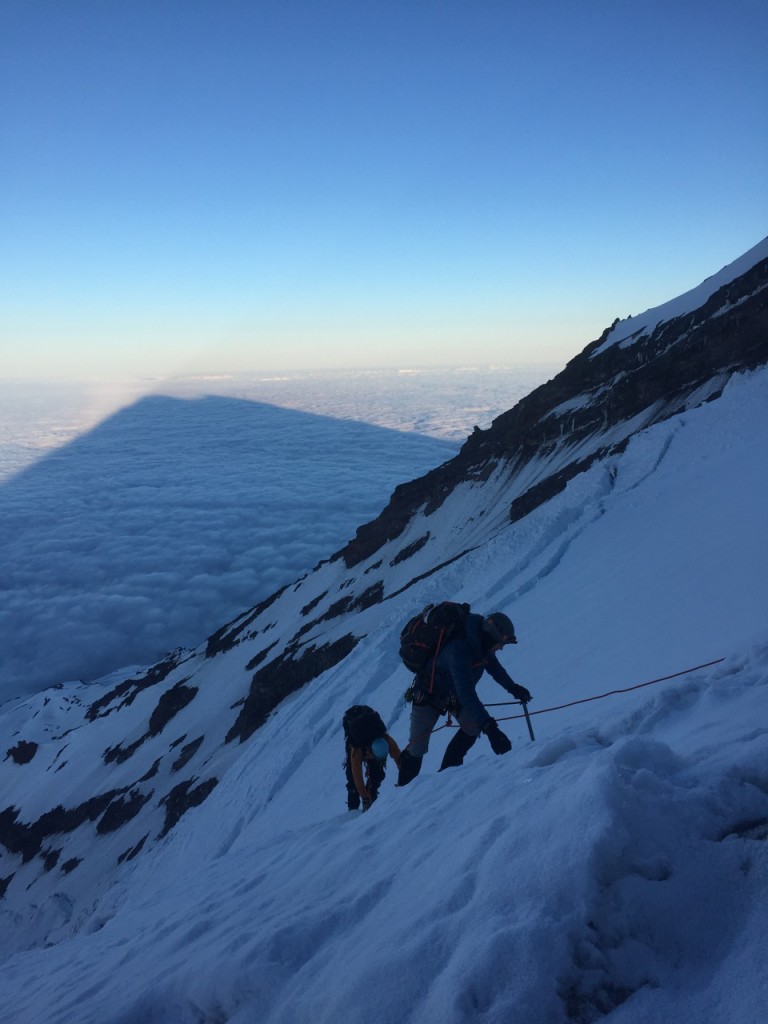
point(520, 693)
point(500, 743)
point(366, 805)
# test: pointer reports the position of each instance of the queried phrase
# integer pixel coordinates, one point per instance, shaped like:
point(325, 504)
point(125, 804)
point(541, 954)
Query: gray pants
point(424, 719)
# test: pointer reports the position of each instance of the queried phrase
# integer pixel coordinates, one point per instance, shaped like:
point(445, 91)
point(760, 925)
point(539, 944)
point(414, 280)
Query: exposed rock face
point(283, 676)
point(124, 694)
point(23, 752)
point(182, 798)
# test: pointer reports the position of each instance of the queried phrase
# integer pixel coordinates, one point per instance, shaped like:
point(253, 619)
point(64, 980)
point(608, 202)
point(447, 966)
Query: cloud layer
point(170, 517)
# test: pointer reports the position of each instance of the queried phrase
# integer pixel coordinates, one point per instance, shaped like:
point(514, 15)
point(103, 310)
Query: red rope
point(611, 693)
point(586, 700)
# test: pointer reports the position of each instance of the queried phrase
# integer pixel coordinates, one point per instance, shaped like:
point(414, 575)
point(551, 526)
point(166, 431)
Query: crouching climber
point(367, 744)
point(448, 682)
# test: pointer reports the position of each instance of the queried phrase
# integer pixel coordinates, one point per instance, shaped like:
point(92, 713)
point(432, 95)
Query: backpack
point(424, 635)
point(362, 725)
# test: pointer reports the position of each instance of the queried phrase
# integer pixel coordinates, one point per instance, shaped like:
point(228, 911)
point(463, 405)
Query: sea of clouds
point(137, 517)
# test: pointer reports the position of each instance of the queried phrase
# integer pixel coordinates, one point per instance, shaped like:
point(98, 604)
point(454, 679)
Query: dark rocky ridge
point(666, 367)
point(283, 676)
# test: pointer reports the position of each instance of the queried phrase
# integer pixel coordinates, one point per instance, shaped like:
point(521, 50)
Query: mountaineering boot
point(456, 749)
point(374, 776)
point(410, 767)
point(500, 742)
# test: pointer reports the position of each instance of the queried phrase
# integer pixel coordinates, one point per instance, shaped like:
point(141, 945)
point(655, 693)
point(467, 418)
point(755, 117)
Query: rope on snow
point(584, 700)
point(611, 693)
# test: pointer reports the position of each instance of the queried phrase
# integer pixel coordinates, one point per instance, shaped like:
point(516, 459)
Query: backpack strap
point(434, 659)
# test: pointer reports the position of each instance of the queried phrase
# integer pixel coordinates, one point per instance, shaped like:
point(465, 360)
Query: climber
point(448, 684)
point(367, 745)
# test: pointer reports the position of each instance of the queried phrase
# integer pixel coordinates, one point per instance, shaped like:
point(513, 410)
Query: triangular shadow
point(173, 515)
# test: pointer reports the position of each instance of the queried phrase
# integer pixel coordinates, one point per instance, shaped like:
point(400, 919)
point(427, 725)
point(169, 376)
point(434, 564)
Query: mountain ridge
point(625, 383)
point(99, 779)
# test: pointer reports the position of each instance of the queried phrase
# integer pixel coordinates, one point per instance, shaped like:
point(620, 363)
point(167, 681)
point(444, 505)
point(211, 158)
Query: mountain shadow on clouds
point(173, 515)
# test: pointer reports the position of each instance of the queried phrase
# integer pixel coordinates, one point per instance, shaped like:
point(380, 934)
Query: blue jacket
point(459, 668)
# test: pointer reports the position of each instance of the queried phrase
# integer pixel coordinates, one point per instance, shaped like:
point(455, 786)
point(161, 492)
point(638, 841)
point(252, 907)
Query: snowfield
point(614, 869)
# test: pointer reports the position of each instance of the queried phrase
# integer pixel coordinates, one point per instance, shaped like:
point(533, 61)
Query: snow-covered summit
point(174, 846)
point(632, 329)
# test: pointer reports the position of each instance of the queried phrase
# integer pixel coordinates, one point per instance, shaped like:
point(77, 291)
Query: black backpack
point(424, 635)
point(362, 725)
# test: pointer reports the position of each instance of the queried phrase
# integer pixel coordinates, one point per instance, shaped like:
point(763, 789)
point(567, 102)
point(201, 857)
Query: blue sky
point(211, 186)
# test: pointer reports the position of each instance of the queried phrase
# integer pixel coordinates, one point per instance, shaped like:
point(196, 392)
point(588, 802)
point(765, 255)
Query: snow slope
point(615, 869)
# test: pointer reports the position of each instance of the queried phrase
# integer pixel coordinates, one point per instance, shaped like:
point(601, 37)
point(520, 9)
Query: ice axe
point(528, 720)
point(523, 705)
